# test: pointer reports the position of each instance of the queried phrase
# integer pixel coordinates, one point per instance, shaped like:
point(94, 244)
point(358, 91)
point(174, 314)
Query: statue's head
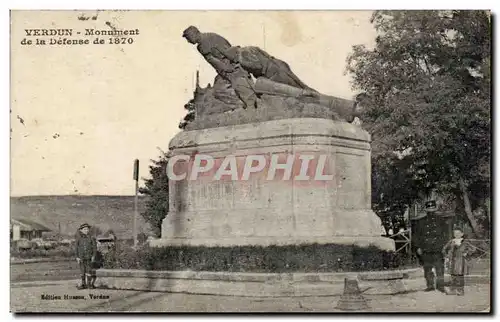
point(192, 34)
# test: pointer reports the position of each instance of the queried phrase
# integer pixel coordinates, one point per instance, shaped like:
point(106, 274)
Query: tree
point(95, 231)
point(425, 93)
point(142, 238)
point(392, 189)
point(189, 117)
point(156, 188)
point(198, 94)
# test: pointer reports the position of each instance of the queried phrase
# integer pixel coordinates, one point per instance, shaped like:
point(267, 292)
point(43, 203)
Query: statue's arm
point(219, 65)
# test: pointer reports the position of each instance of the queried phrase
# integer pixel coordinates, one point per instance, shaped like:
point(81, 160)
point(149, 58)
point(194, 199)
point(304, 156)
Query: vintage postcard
point(250, 161)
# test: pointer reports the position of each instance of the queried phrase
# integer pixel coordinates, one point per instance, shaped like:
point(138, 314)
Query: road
point(27, 297)
point(32, 280)
point(43, 271)
point(68, 269)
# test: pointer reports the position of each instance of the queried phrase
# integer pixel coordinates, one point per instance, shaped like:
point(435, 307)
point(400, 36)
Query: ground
point(44, 271)
point(27, 297)
point(30, 281)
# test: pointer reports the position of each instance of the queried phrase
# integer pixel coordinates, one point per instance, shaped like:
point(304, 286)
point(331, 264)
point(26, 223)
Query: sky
point(80, 115)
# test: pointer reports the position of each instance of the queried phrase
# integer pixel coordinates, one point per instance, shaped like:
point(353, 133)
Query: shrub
point(272, 259)
point(60, 252)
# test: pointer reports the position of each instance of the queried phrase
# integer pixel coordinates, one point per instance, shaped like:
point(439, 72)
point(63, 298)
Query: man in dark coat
point(429, 239)
point(86, 251)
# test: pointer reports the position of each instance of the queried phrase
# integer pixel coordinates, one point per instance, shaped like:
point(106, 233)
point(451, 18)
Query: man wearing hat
point(86, 250)
point(429, 239)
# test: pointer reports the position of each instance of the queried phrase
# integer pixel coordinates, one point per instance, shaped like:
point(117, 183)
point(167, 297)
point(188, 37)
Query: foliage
point(110, 232)
point(95, 231)
point(58, 252)
point(391, 191)
point(425, 93)
point(142, 238)
point(156, 188)
point(189, 117)
point(275, 259)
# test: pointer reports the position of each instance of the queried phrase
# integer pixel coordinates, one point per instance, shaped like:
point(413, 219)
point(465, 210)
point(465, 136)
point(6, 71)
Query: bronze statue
point(211, 46)
point(343, 107)
point(230, 75)
point(275, 85)
point(260, 64)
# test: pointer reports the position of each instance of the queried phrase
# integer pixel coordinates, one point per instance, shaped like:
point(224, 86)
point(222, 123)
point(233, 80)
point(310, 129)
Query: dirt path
point(28, 297)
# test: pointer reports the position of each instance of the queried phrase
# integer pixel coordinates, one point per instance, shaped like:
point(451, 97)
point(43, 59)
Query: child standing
point(86, 251)
point(456, 250)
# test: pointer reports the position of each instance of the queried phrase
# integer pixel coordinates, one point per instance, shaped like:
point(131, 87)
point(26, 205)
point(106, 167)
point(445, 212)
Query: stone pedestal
point(264, 212)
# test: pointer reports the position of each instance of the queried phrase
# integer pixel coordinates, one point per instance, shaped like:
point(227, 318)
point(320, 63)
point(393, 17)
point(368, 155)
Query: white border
point(256, 5)
point(186, 5)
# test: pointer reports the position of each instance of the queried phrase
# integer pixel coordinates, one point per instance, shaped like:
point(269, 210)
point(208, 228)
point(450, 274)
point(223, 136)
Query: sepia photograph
point(259, 161)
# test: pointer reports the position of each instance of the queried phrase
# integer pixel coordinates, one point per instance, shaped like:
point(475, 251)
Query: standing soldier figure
point(86, 250)
point(429, 239)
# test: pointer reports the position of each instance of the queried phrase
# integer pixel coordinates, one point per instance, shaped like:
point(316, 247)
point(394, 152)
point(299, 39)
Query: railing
point(481, 248)
point(404, 242)
point(478, 260)
point(402, 239)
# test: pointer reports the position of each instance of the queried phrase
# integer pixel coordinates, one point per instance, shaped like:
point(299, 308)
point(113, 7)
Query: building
point(26, 229)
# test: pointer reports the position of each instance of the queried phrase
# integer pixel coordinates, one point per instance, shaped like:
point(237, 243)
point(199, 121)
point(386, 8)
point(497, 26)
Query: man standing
point(429, 239)
point(86, 251)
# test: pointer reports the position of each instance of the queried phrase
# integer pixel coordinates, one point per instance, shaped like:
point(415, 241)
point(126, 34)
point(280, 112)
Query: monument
point(258, 108)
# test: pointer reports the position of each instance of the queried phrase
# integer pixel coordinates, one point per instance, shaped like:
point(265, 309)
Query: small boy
point(456, 250)
point(86, 251)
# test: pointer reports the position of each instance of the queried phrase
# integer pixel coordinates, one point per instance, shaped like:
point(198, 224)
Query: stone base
point(385, 244)
point(260, 284)
point(263, 211)
point(274, 108)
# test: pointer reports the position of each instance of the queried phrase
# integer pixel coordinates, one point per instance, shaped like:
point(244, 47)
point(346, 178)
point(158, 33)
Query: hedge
point(60, 252)
point(270, 259)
